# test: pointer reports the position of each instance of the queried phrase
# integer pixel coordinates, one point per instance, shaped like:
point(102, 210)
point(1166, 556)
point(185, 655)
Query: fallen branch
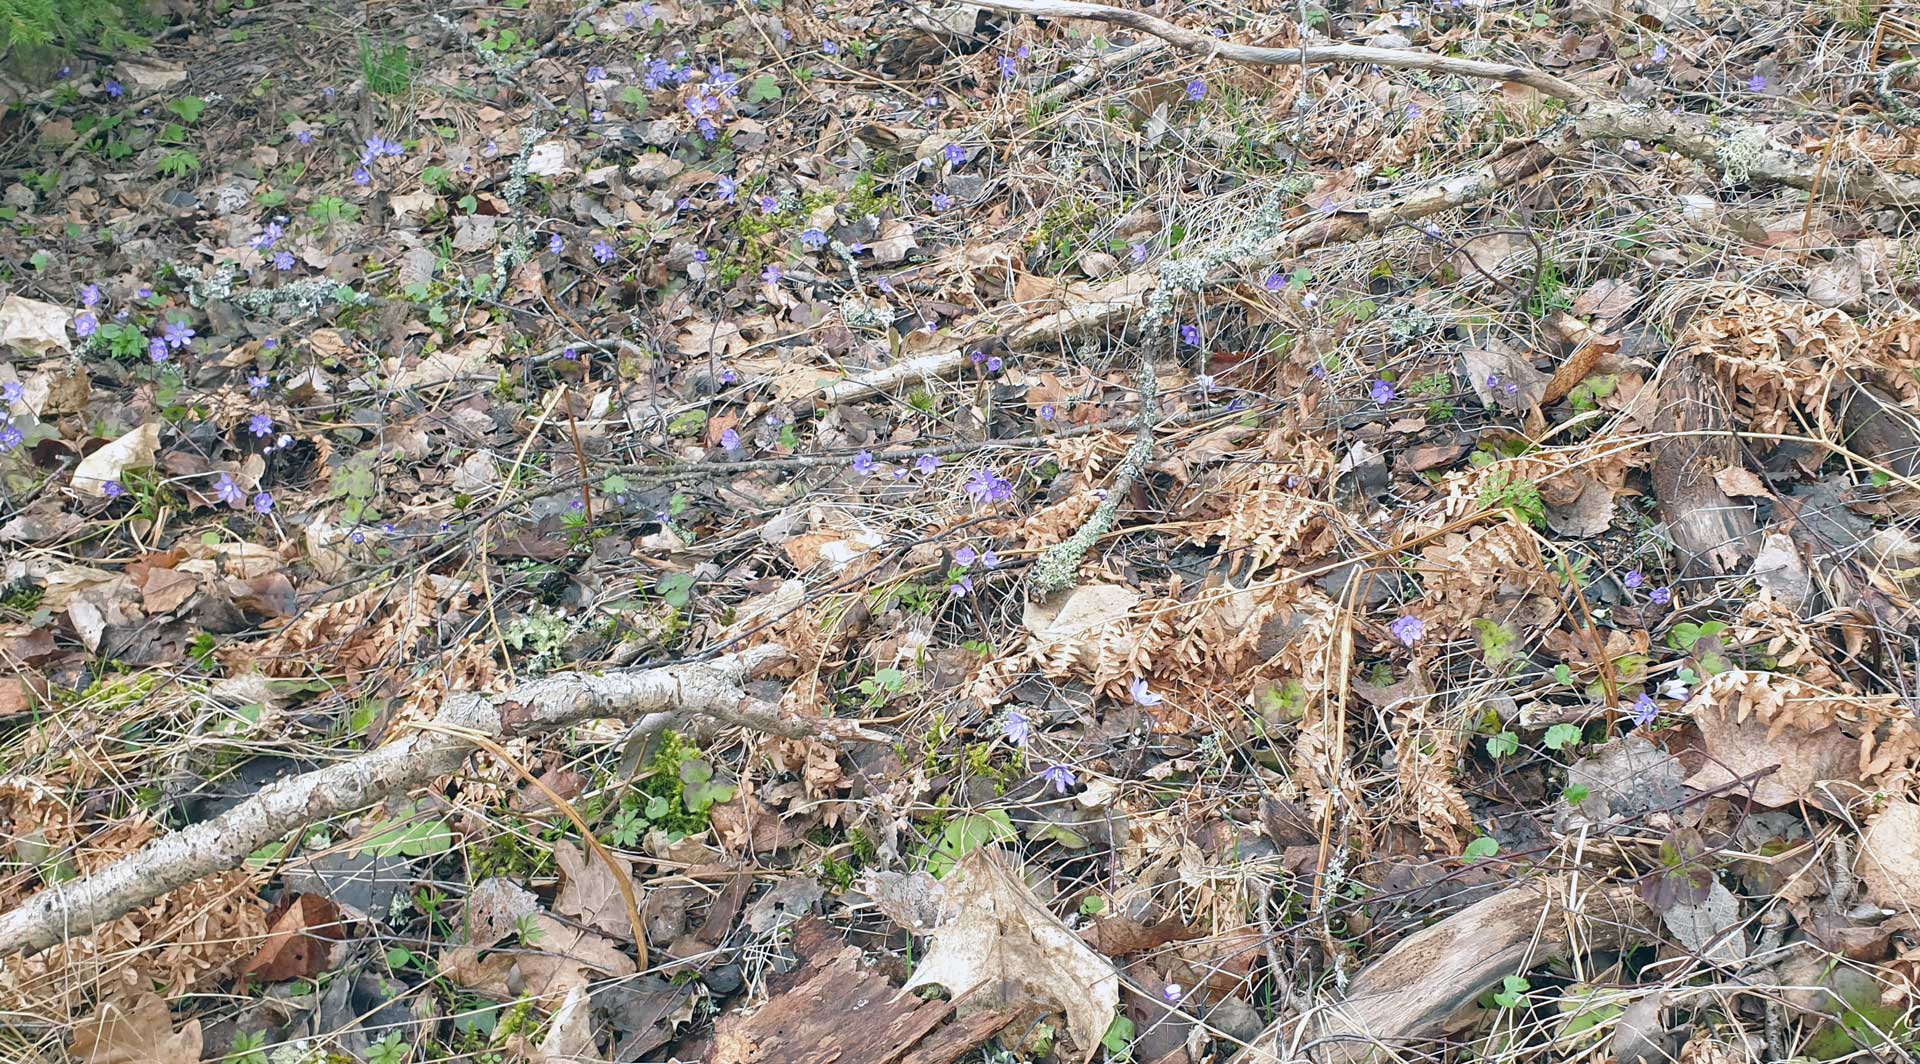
point(1427, 985)
point(711, 690)
point(1739, 152)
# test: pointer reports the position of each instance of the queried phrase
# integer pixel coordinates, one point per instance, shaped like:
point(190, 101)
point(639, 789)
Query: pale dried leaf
point(1739, 480)
point(590, 892)
point(33, 326)
point(995, 938)
point(136, 1032)
point(1889, 862)
point(132, 451)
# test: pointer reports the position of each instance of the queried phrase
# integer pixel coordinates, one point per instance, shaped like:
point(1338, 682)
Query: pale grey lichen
point(1740, 151)
point(306, 296)
point(1059, 568)
point(1190, 274)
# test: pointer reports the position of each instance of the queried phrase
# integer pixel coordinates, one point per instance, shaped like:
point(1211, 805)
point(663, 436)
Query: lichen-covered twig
point(1059, 568)
point(712, 690)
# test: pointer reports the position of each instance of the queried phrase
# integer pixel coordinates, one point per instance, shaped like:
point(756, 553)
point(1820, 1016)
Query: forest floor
point(760, 532)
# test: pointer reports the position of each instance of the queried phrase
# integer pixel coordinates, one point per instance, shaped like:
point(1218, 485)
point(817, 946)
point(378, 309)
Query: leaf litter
point(1475, 507)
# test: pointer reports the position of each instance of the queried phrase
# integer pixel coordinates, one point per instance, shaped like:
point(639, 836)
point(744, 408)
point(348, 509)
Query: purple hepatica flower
point(830, 47)
point(260, 425)
point(157, 350)
point(708, 131)
point(1137, 252)
point(1016, 727)
point(85, 324)
point(956, 154)
point(1757, 83)
point(726, 188)
point(1328, 207)
point(989, 560)
point(361, 176)
point(113, 489)
point(269, 236)
point(115, 89)
point(1009, 67)
point(90, 296)
point(965, 557)
point(1047, 412)
point(730, 440)
point(1381, 392)
point(926, 464)
point(283, 260)
point(1661, 595)
point(941, 201)
point(263, 503)
point(556, 243)
point(305, 137)
point(1674, 689)
point(1190, 334)
point(962, 586)
point(1276, 281)
point(1408, 629)
point(700, 255)
point(603, 252)
point(228, 491)
point(379, 147)
point(1634, 579)
point(257, 383)
point(1644, 711)
point(1022, 52)
point(885, 285)
point(11, 437)
point(596, 73)
point(1059, 777)
point(12, 392)
point(814, 238)
point(570, 354)
point(989, 487)
point(1196, 89)
point(1660, 52)
point(769, 205)
point(178, 334)
point(771, 274)
point(996, 364)
point(1172, 993)
point(1142, 694)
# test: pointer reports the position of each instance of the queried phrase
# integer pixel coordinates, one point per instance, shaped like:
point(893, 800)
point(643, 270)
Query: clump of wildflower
point(1644, 711)
point(1142, 694)
point(864, 464)
point(11, 437)
point(1196, 89)
point(1190, 334)
point(556, 243)
point(263, 503)
point(603, 252)
point(1660, 596)
point(730, 439)
point(814, 238)
point(1016, 727)
point(1060, 778)
point(1408, 629)
point(228, 491)
point(260, 425)
point(926, 464)
point(956, 154)
point(771, 274)
point(986, 486)
point(90, 296)
point(942, 201)
point(178, 334)
point(1381, 392)
point(725, 188)
point(85, 324)
point(1634, 579)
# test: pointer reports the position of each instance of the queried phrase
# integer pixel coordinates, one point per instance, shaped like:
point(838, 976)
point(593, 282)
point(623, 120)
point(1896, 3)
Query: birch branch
point(710, 690)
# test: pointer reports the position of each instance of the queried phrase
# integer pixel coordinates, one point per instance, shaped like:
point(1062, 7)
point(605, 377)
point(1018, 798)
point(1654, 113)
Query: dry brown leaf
point(304, 928)
point(1807, 760)
point(995, 938)
point(1739, 480)
point(1889, 861)
point(559, 958)
point(569, 1038)
point(590, 892)
point(136, 1032)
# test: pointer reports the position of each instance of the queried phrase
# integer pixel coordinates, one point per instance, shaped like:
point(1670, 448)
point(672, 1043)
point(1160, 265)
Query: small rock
point(232, 197)
point(1236, 1019)
point(965, 188)
point(19, 197)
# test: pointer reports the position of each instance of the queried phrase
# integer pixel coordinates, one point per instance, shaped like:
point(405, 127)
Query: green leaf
point(763, 90)
point(413, 839)
point(1480, 849)
point(1119, 1036)
point(965, 834)
point(1561, 736)
point(1563, 674)
point(1514, 991)
point(1499, 746)
point(189, 108)
point(1576, 794)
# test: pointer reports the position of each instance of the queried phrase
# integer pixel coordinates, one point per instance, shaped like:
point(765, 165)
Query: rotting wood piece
point(1426, 986)
point(1712, 532)
point(1879, 428)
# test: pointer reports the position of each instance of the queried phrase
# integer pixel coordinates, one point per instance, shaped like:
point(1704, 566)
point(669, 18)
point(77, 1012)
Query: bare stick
point(712, 690)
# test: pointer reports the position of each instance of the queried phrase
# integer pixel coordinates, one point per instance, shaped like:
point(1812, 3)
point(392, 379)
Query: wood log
point(1879, 428)
point(1425, 987)
point(1712, 532)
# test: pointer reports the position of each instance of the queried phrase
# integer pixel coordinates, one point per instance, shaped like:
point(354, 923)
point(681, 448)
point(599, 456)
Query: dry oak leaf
point(136, 1032)
point(1889, 862)
point(1807, 761)
point(304, 929)
point(1739, 480)
point(590, 892)
point(994, 937)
